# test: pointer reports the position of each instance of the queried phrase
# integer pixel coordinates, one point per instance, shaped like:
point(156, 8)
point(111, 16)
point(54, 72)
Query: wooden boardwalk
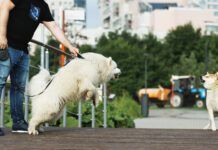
point(111, 139)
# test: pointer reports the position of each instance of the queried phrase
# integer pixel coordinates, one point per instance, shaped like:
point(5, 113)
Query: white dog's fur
point(211, 84)
point(75, 81)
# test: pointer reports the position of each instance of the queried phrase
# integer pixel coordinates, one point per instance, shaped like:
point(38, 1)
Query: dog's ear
point(109, 61)
point(216, 75)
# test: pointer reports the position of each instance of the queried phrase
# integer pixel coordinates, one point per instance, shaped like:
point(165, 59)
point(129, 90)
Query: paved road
point(112, 139)
point(174, 119)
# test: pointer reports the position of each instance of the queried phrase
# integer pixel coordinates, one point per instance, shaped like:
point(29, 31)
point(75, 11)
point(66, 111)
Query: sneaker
point(1, 132)
point(20, 127)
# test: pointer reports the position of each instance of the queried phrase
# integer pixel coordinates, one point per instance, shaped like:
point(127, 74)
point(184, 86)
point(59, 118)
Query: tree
point(181, 40)
point(34, 62)
point(128, 51)
point(188, 65)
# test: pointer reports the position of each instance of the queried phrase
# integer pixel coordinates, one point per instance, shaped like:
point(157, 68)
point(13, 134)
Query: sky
point(92, 14)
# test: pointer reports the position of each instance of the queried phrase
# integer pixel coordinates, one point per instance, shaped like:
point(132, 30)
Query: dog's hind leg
point(40, 128)
point(211, 116)
point(59, 114)
point(89, 91)
point(34, 122)
point(207, 126)
point(91, 94)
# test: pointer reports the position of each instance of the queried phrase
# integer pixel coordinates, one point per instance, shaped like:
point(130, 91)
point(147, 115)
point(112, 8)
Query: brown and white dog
point(210, 82)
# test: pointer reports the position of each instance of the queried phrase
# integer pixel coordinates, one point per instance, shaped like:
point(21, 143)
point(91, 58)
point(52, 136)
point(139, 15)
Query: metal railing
point(26, 98)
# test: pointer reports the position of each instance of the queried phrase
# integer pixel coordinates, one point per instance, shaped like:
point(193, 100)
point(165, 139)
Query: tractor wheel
point(176, 101)
point(199, 103)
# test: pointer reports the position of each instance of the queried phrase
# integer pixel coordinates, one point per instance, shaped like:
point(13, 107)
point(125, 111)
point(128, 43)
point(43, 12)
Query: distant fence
point(26, 98)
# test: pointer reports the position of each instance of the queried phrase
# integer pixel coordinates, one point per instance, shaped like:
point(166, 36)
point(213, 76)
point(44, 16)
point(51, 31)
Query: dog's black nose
point(201, 79)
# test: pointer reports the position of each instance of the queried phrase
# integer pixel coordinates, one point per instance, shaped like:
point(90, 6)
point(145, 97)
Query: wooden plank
point(112, 139)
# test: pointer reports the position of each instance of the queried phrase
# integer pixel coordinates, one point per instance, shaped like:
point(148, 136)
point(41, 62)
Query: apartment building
point(125, 15)
point(156, 16)
point(75, 19)
point(212, 5)
point(165, 20)
point(56, 5)
point(74, 11)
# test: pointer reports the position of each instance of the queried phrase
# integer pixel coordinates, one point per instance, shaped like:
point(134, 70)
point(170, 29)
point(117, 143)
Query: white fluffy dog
point(210, 82)
point(78, 80)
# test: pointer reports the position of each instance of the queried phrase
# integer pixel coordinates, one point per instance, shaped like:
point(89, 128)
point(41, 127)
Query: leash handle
point(80, 56)
point(56, 49)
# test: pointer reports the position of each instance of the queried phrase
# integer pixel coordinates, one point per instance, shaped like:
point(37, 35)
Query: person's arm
point(59, 35)
point(5, 7)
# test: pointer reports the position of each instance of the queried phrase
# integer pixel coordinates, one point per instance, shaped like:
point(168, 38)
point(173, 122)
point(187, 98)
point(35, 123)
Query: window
point(216, 13)
point(212, 1)
point(128, 21)
point(213, 6)
point(53, 12)
point(116, 9)
point(80, 3)
point(117, 23)
point(162, 5)
point(144, 8)
point(212, 28)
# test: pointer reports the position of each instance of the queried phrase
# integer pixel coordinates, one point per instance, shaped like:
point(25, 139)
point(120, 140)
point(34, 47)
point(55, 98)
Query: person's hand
point(74, 50)
point(3, 42)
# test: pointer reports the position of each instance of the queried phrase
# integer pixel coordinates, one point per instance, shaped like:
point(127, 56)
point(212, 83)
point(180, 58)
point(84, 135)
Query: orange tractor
point(159, 95)
point(182, 93)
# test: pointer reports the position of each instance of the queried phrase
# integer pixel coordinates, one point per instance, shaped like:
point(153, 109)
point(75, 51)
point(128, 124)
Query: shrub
point(121, 113)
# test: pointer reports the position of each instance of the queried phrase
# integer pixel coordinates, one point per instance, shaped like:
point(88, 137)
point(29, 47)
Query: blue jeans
point(17, 67)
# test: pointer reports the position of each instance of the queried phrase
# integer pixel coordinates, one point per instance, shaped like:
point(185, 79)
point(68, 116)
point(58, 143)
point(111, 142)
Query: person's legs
point(1, 132)
point(18, 74)
point(4, 72)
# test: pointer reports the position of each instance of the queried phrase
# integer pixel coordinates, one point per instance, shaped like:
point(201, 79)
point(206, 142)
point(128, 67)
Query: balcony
point(106, 12)
point(106, 23)
point(128, 21)
point(117, 24)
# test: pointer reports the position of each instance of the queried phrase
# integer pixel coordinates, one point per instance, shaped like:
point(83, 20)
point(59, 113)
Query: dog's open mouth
point(116, 76)
point(201, 79)
point(117, 73)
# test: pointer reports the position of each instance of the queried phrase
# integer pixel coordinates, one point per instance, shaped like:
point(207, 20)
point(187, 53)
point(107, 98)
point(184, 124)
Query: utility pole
point(144, 100)
point(42, 61)
point(62, 24)
point(63, 59)
point(206, 54)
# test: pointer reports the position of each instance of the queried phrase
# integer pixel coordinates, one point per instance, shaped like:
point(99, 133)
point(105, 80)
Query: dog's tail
point(39, 82)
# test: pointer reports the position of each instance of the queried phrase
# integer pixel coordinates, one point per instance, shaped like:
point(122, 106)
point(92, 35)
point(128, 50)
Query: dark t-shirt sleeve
point(15, 2)
point(46, 14)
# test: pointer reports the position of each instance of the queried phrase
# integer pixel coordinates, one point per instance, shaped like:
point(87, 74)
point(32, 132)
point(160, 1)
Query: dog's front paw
point(213, 128)
point(33, 132)
point(41, 129)
point(207, 126)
